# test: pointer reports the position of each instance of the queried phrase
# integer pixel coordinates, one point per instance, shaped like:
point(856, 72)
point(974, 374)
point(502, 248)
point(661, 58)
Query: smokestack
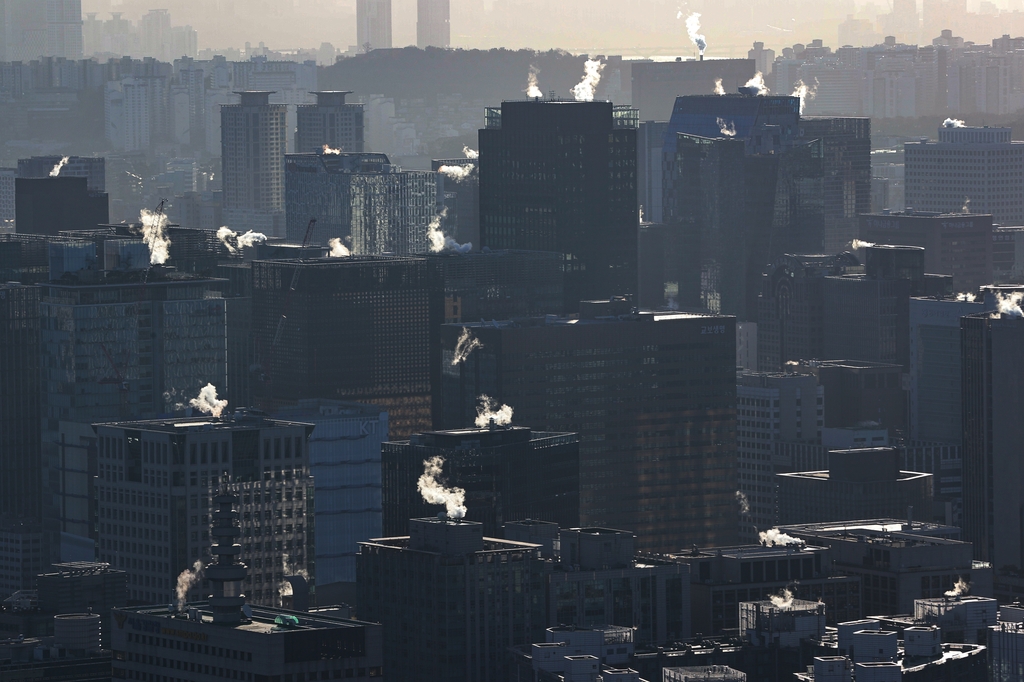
point(702, 57)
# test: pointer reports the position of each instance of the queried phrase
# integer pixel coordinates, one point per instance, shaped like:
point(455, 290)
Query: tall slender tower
point(227, 574)
point(373, 24)
point(433, 23)
point(253, 145)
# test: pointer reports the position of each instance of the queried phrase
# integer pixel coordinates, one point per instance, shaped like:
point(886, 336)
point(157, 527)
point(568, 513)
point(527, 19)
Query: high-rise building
point(656, 85)
point(154, 491)
point(566, 375)
point(935, 368)
point(344, 459)
point(969, 170)
point(460, 182)
point(254, 140)
point(331, 122)
point(858, 392)
point(770, 408)
point(21, 472)
point(373, 24)
point(433, 23)
point(91, 167)
point(650, 140)
point(30, 29)
point(64, 29)
point(50, 205)
point(23, 554)
point(81, 588)
point(791, 307)
point(449, 600)
point(508, 473)
point(579, 199)
point(959, 245)
point(371, 205)
point(859, 484)
point(992, 371)
point(359, 328)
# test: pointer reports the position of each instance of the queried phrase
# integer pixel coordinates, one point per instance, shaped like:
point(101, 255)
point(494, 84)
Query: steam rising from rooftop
point(457, 173)
point(693, 30)
point(961, 589)
point(338, 249)
point(466, 345)
point(207, 402)
point(187, 579)
point(434, 492)
point(439, 242)
point(966, 298)
point(585, 89)
point(249, 239)
point(1009, 304)
point(953, 123)
point(153, 225)
point(743, 502)
point(727, 128)
point(857, 244)
point(533, 91)
point(59, 167)
point(805, 93)
point(776, 538)
point(755, 87)
point(470, 153)
point(783, 600)
point(489, 410)
point(719, 90)
point(329, 151)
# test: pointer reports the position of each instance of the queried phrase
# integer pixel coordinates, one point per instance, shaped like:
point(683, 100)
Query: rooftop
point(264, 620)
point(239, 420)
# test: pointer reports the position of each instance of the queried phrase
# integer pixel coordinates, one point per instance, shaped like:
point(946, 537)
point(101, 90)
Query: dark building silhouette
point(630, 384)
point(253, 144)
point(51, 205)
point(993, 372)
point(669, 264)
point(331, 122)
point(93, 168)
point(791, 307)
point(359, 328)
point(83, 587)
point(858, 392)
point(508, 473)
point(561, 176)
point(21, 473)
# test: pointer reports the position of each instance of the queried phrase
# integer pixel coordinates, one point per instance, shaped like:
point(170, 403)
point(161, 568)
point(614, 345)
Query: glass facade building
point(332, 122)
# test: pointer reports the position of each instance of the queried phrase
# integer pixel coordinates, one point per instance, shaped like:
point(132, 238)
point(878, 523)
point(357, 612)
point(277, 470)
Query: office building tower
point(50, 205)
point(579, 364)
point(359, 328)
point(433, 23)
point(460, 182)
point(154, 489)
point(919, 566)
point(253, 145)
point(31, 29)
point(650, 141)
point(859, 392)
point(859, 484)
point(91, 167)
point(722, 577)
point(580, 198)
point(331, 122)
point(344, 460)
point(225, 638)
point(969, 170)
point(791, 307)
point(425, 589)
point(83, 588)
point(656, 85)
point(21, 473)
point(236, 289)
point(22, 554)
point(669, 262)
point(959, 245)
point(64, 29)
point(1006, 644)
point(7, 209)
point(935, 368)
point(846, 150)
point(373, 24)
point(500, 285)
point(770, 408)
point(992, 371)
point(71, 652)
point(508, 473)
point(371, 205)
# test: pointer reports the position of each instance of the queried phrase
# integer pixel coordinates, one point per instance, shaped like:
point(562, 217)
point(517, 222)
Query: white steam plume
point(338, 250)
point(329, 151)
point(207, 402)
point(59, 167)
point(187, 579)
point(585, 89)
point(953, 123)
point(719, 90)
point(465, 347)
point(641, 217)
point(489, 409)
point(776, 538)
point(783, 600)
point(439, 242)
point(532, 89)
point(961, 589)
point(743, 502)
point(966, 208)
point(755, 86)
point(966, 298)
point(727, 128)
point(457, 173)
point(434, 492)
point(1009, 304)
point(470, 153)
point(805, 93)
point(153, 225)
point(857, 244)
point(226, 235)
point(693, 30)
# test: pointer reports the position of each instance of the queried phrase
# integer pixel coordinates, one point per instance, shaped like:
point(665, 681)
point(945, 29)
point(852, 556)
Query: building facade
point(433, 23)
point(50, 205)
point(331, 122)
point(373, 24)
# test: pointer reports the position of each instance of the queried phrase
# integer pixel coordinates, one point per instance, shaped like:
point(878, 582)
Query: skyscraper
point(433, 23)
point(993, 370)
point(64, 29)
point(331, 122)
point(21, 472)
point(373, 24)
point(253, 145)
point(30, 29)
point(656, 85)
point(359, 328)
point(579, 197)
point(50, 205)
point(631, 385)
point(91, 167)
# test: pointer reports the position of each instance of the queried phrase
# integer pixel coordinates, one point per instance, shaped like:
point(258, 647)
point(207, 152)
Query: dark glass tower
point(561, 176)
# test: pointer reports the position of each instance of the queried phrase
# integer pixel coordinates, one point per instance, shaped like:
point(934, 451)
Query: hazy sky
point(632, 27)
